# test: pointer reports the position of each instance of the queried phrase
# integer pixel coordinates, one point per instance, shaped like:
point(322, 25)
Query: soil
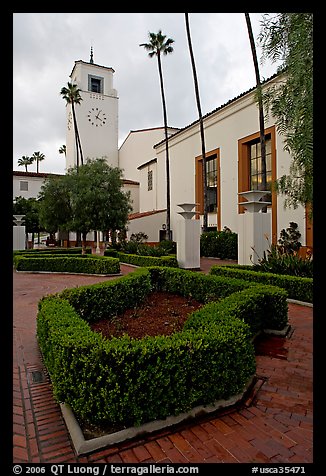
point(159, 314)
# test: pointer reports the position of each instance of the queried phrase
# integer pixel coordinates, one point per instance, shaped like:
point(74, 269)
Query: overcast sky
point(46, 45)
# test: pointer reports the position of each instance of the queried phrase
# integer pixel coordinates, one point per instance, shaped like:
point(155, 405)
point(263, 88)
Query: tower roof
point(90, 63)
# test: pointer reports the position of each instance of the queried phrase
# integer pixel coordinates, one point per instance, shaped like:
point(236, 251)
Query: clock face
point(69, 121)
point(96, 117)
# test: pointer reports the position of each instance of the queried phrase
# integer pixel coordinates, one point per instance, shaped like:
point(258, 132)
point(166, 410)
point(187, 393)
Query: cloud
point(46, 45)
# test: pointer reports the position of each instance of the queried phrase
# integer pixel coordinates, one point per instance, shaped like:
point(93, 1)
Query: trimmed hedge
point(204, 288)
point(124, 381)
point(219, 244)
point(107, 299)
point(67, 264)
point(139, 260)
point(54, 251)
point(261, 307)
point(296, 287)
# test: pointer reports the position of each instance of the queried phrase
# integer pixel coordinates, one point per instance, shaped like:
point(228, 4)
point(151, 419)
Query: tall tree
point(71, 94)
point(90, 198)
point(160, 45)
point(201, 125)
point(38, 157)
point(260, 105)
point(25, 162)
point(54, 208)
point(288, 38)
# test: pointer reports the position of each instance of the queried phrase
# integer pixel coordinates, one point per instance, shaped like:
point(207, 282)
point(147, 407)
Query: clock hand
point(98, 114)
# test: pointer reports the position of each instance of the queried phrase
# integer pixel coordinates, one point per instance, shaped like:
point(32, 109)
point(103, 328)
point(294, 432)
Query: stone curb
point(83, 446)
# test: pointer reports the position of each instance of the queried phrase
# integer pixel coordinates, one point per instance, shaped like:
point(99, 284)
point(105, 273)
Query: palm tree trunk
point(260, 104)
point(76, 132)
point(167, 161)
point(202, 137)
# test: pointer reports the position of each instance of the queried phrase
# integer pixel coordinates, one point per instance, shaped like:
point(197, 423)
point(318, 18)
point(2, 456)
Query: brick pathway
point(275, 426)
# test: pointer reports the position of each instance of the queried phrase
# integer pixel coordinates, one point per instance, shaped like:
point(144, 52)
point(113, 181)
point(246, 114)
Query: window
point(250, 170)
point(95, 84)
point(150, 180)
point(23, 186)
point(256, 171)
point(213, 186)
point(211, 183)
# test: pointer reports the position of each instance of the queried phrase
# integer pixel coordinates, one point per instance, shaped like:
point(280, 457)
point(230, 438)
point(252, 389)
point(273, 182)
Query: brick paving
point(274, 425)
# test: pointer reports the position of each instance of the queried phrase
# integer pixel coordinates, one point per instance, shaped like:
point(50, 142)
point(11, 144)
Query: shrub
point(88, 264)
point(261, 307)
point(296, 287)
point(105, 300)
point(276, 261)
point(219, 244)
point(138, 260)
point(53, 251)
point(202, 287)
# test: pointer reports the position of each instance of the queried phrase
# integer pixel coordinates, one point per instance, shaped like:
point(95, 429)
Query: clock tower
point(97, 114)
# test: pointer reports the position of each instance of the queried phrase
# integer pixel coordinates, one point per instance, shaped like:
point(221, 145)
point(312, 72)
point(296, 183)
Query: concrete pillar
point(18, 233)
point(188, 243)
point(255, 227)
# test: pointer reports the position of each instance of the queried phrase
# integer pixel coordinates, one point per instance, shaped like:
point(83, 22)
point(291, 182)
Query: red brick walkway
point(275, 427)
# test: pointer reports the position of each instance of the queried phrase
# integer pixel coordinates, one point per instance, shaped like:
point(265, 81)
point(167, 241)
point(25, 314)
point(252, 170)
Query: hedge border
point(298, 288)
point(168, 374)
point(83, 264)
point(139, 260)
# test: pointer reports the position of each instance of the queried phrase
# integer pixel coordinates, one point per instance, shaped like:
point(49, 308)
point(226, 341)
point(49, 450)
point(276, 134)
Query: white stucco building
point(232, 154)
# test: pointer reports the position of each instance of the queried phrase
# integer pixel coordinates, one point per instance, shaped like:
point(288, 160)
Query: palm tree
point(201, 125)
point(38, 157)
point(25, 161)
point(159, 46)
point(72, 96)
point(260, 103)
point(63, 150)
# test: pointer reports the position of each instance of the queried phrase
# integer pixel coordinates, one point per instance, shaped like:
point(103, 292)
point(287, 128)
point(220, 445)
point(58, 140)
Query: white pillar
point(98, 250)
point(188, 243)
point(254, 235)
point(18, 233)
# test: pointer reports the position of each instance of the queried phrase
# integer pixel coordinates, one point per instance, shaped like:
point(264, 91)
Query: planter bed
point(126, 382)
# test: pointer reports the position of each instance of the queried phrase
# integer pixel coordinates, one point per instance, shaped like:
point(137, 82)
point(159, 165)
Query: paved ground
point(274, 426)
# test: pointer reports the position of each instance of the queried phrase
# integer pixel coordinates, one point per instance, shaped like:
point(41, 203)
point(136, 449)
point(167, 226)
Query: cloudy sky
point(46, 45)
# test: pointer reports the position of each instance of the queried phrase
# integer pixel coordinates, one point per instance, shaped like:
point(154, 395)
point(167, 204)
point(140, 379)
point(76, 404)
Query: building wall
point(133, 188)
point(34, 183)
point(223, 130)
point(149, 224)
point(137, 149)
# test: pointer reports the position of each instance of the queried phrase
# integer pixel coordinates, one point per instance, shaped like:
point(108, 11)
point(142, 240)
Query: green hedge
point(296, 287)
point(54, 251)
point(138, 260)
point(124, 381)
point(202, 287)
point(219, 244)
point(107, 299)
point(261, 307)
point(67, 264)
